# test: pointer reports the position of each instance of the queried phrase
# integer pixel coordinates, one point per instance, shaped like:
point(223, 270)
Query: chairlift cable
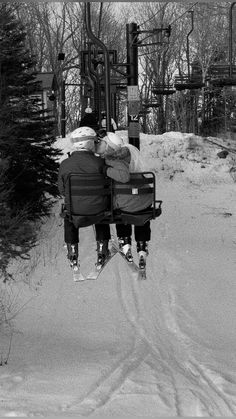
point(155, 14)
point(148, 20)
point(150, 52)
point(174, 21)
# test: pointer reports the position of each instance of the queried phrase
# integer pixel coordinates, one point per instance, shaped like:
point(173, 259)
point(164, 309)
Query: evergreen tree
point(28, 167)
point(26, 135)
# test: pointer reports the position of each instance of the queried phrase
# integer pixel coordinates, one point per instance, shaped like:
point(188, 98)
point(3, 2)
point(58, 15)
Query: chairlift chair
point(183, 82)
point(95, 186)
point(222, 75)
point(163, 89)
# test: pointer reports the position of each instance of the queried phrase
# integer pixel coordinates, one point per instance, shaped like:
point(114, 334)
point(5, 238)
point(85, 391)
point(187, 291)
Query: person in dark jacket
point(89, 120)
point(121, 160)
point(83, 160)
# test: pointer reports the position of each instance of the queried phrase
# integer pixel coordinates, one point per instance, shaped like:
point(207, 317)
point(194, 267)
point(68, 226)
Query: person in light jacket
point(121, 160)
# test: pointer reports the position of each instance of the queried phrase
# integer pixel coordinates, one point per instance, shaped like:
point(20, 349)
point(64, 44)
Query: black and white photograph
point(117, 209)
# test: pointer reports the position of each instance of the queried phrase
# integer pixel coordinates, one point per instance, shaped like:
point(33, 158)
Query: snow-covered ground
point(122, 347)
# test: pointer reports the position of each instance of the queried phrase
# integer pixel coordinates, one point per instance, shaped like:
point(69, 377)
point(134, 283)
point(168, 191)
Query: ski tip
point(91, 277)
point(78, 277)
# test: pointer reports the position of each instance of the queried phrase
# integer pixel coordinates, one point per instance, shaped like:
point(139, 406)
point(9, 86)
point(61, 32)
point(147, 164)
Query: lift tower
point(132, 82)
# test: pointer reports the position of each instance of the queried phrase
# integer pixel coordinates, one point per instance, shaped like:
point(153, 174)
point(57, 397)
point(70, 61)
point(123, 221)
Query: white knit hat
point(113, 140)
point(83, 137)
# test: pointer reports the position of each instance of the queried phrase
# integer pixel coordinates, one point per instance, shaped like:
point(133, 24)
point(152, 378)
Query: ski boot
point(72, 255)
point(125, 247)
point(142, 250)
point(103, 253)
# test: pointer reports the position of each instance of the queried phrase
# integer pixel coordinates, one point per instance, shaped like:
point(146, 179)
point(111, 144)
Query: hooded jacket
point(119, 169)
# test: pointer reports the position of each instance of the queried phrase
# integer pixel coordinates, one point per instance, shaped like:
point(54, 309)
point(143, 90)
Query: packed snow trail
point(117, 346)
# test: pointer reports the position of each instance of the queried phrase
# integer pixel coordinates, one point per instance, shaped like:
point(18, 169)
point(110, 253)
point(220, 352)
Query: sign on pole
point(133, 93)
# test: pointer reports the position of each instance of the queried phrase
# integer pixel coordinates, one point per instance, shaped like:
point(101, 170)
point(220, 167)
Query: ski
point(98, 269)
point(132, 265)
point(77, 274)
point(94, 274)
point(74, 264)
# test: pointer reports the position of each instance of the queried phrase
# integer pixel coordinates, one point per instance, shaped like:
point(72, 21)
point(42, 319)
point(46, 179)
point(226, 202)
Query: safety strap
point(75, 182)
point(133, 191)
point(89, 192)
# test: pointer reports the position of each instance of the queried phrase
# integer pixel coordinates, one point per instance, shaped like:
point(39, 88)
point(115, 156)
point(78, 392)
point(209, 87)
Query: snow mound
point(186, 156)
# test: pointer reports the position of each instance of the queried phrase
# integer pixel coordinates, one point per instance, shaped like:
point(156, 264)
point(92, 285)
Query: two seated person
point(107, 157)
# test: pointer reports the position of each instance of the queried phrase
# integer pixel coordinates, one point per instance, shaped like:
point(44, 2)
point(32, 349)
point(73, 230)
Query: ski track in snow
point(209, 399)
point(165, 366)
point(157, 343)
point(212, 399)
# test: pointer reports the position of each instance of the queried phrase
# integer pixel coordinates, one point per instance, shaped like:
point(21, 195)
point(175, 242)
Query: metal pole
point(63, 109)
point(132, 76)
point(100, 44)
point(62, 96)
point(132, 53)
point(188, 60)
point(97, 90)
point(231, 39)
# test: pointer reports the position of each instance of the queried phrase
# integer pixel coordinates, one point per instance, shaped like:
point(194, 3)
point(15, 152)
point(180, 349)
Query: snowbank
point(176, 155)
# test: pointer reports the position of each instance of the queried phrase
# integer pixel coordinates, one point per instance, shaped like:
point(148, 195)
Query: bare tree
point(60, 27)
point(157, 61)
point(53, 29)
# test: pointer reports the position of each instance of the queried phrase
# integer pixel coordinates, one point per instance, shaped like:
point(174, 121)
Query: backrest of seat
point(139, 184)
point(89, 194)
point(136, 195)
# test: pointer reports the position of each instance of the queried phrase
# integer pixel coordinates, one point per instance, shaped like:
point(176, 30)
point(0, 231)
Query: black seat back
point(142, 183)
point(90, 199)
point(88, 194)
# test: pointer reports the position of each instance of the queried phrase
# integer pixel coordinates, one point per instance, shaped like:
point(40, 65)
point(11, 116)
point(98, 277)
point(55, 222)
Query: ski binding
point(99, 268)
point(141, 271)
